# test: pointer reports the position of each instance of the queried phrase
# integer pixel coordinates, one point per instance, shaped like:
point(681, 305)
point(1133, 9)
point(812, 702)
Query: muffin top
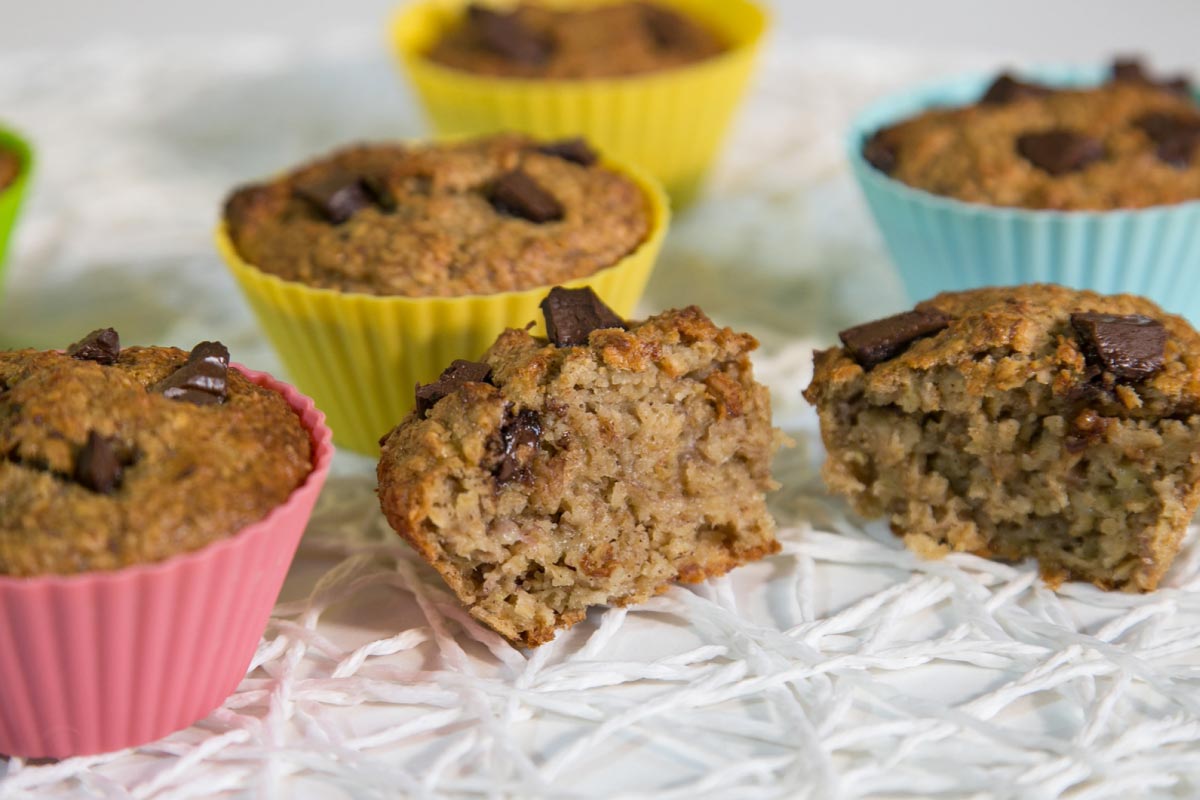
point(10, 167)
point(112, 457)
point(489, 215)
point(606, 41)
point(1129, 143)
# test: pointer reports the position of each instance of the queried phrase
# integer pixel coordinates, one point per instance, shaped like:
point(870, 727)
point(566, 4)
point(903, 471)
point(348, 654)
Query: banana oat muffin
point(605, 41)
point(1030, 421)
point(10, 168)
point(111, 457)
point(1129, 143)
point(489, 215)
point(593, 468)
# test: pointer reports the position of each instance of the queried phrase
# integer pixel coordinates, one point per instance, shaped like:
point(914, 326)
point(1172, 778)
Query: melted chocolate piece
point(873, 343)
point(577, 151)
point(519, 438)
point(98, 467)
point(1059, 151)
point(1132, 70)
point(880, 154)
point(1175, 136)
point(572, 314)
point(1130, 346)
point(337, 196)
point(518, 195)
point(450, 380)
point(102, 346)
point(667, 29)
point(1006, 89)
point(203, 380)
point(508, 37)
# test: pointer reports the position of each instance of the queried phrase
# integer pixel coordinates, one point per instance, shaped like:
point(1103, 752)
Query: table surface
point(843, 668)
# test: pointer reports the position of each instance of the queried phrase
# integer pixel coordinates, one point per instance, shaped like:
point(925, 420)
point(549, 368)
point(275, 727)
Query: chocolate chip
point(518, 195)
point(508, 37)
point(882, 340)
point(1006, 89)
point(1086, 429)
point(1132, 70)
point(880, 154)
point(1129, 346)
point(203, 380)
point(572, 314)
point(450, 380)
point(102, 346)
point(337, 196)
point(98, 466)
point(577, 151)
point(667, 29)
point(519, 438)
point(1175, 136)
point(1059, 151)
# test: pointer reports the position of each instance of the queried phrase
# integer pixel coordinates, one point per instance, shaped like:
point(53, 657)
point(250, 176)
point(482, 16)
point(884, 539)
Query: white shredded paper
point(844, 667)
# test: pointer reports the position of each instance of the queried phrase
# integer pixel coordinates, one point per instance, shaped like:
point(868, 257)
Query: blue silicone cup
point(941, 244)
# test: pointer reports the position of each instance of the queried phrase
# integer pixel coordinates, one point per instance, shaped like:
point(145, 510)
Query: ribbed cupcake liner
point(100, 661)
point(360, 356)
point(12, 195)
point(941, 244)
point(672, 123)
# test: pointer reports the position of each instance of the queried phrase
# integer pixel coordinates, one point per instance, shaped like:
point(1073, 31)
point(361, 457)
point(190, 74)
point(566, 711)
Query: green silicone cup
point(12, 195)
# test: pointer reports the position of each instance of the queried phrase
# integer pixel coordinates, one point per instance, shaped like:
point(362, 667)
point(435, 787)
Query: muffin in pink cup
point(151, 501)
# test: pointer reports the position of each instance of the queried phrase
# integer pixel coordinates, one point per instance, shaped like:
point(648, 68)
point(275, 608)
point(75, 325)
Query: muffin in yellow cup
point(671, 121)
point(357, 348)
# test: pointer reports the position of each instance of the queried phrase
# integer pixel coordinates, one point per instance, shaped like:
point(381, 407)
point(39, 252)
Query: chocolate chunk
point(1131, 70)
point(880, 154)
point(508, 37)
point(1005, 89)
point(577, 151)
point(1175, 136)
point(572, 314)
point(102, 346)
point(98, 466)
point(518, 195)
point(882, 340)
point(667, 29)
point(337, 196)
point(451, 379)
point(1128, 346)
point(519, 438)
point(1059, 151)
point(203, 380)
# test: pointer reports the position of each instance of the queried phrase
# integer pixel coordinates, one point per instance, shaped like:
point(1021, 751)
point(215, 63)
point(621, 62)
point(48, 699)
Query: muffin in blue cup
point(1086, 177)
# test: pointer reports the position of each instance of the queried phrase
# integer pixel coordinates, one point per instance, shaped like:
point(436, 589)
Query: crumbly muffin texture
point(605, 41)
point(100, 468)
point(1033, 421)
point(497, 214)
point(1129, 143)
point(549, 479)
point(10, 168)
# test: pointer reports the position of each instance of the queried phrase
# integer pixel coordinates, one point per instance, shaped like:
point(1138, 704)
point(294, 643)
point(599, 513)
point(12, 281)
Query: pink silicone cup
point(105, 660)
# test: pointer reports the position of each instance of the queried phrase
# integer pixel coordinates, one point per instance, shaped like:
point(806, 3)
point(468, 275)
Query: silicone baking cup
point(13, 194)
point(940, 244)
point(361, 355)
point(671, 123)
point(105, 660)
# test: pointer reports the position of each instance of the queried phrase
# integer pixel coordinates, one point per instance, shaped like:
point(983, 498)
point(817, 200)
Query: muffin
point(1078, 177)
point(594, 466)
point(150, 503)
point(653, 83)
point(1024, 422)
point(374, 267)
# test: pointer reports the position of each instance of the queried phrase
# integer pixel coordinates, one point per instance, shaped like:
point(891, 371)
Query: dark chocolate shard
point(519, 439)
point(98, 466)
point(507, 36)
point(203, 380)
point(450, 380)
point(1007, 89)
point(518, 195)
point(1132, 70)
point(337, 196)
point(572, 315)
point(880, 154)
point(576, 150)
point(1129, 346)
point(1175, 136)
point(667, 29)
point(1059, 151)
point(873, 343)
point(102, 346)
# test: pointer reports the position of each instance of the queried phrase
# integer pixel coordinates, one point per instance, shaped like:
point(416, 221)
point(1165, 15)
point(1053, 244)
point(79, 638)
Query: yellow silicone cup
point(671, 123)
point(360, 356)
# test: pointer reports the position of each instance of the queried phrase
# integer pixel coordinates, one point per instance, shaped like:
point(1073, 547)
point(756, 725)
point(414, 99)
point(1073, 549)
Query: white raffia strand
point(844, 667)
